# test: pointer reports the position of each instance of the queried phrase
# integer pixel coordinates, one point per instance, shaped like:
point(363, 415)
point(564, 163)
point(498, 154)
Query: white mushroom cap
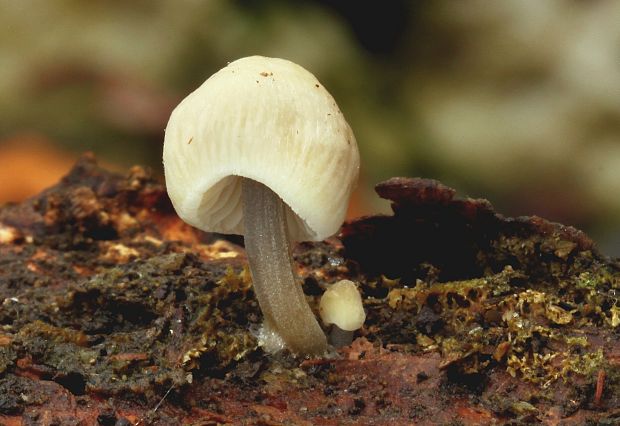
point(269, 120)
point(341, 304)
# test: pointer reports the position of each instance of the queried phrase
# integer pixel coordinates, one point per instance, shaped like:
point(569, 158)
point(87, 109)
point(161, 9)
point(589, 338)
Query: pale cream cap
point(270, 120)
point(341, 304)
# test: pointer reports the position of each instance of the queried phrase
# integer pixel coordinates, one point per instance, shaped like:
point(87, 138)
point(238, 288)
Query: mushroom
point(262, 150)
point(341, 305)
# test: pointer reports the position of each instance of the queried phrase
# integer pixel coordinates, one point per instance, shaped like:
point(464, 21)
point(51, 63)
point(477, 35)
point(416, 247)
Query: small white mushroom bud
point(341, 305)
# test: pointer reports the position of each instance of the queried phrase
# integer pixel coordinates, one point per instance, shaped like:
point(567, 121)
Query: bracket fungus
point(341, 305)
point(262, 150)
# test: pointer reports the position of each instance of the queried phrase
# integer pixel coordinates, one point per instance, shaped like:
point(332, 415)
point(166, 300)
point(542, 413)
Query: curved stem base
point(280, 297)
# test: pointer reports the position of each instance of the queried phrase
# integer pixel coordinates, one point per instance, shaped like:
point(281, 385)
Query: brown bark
point(115, 312)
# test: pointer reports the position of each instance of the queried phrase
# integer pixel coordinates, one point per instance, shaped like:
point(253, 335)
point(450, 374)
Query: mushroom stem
point(339, 337)
point(281, 299)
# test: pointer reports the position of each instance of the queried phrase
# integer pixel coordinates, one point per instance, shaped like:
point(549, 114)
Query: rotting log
point(115, 312)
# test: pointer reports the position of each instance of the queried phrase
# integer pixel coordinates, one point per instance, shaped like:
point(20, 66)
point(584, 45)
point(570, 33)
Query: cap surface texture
point(269, 120)
point(341, 304)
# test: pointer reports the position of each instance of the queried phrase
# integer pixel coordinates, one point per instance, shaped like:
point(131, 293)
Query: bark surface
point(114, 312)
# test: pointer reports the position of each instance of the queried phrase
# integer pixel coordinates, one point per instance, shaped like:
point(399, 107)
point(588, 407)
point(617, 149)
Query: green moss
point(517, 320)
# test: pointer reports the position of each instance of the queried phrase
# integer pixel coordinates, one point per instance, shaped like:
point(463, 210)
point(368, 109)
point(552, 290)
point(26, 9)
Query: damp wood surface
point(114, 312)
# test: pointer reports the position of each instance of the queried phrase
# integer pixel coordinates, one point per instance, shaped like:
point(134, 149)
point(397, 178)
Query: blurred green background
point(516, 101)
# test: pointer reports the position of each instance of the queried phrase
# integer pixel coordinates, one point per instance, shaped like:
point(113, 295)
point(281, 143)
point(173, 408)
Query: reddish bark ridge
point(114, 312)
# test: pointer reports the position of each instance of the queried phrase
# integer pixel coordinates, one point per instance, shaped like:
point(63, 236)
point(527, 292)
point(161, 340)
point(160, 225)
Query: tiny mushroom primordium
point(341, 307)
point(261, 149)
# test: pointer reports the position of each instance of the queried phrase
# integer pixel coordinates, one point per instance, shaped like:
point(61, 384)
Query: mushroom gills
point(280, 297)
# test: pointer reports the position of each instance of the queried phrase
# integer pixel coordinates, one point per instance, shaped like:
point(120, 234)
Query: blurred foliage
point(515, 101)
